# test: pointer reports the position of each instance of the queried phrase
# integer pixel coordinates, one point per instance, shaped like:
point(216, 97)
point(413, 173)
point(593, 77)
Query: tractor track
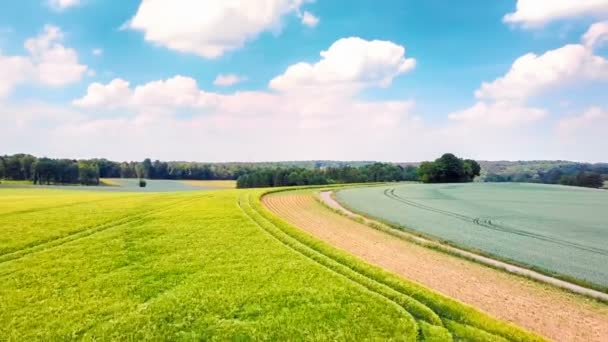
point(489, 224)
point(80, 234)
point(336, 266)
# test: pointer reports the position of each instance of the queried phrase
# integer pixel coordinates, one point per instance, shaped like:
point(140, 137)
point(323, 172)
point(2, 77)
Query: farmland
point(200, 265)
point(541, 308)
point(555, 229)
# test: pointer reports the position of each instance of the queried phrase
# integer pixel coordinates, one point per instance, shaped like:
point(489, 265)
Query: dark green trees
point(586, 179)
point(449, 169)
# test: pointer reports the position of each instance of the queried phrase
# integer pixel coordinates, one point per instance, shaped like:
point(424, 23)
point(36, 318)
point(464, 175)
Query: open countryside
point(561, 230)
point(259, 278)
point(304, 170)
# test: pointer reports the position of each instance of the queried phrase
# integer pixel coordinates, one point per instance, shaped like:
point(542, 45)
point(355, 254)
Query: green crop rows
point(200, 265)
point(556, 229)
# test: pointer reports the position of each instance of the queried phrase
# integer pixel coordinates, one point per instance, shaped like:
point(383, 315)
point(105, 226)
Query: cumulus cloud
point(209, 28)
point(97, 52)
point(535, 13)
point(348, 64)
point(309, 19)
point(228, 80)
point(14, 70)
point(500, 114)
point(597, 35)
point(503, 101)
point(115, 94)
point(63, 4)
point(48, 63)
point(532, 74)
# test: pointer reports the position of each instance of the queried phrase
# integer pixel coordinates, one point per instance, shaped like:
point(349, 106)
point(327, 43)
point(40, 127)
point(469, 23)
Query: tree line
point(88, 172)
point(291, 176)
point(567, 173)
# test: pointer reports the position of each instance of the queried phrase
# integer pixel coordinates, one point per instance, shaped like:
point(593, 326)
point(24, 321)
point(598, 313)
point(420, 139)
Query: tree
point(88, 173)
point(146, 169)
point(472, 169)
point(449, 169)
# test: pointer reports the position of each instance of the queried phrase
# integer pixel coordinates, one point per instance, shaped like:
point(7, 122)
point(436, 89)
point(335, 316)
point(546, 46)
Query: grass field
point(560, 230)
point(200, 265)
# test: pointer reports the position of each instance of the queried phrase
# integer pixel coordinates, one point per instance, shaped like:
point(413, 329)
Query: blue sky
point(410, 96)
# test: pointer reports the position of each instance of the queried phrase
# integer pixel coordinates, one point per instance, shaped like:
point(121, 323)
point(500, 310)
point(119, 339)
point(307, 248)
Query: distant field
point(162, 185)
point(199, 266)
point(132, 185)
point(562, 230)
point(219, 184)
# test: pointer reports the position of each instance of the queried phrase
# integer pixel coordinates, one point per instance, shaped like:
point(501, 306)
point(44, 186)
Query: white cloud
point(209, 28)
point(502, 102)
point(172, 93)
point(48, 63)
point(597, 35)
point(309, 19)
point(56, 65)
point(115, 94)
point(593, 119)
point(228, 80)
point(535, 13)
point(234, 120)
point(178, 91)
point(499, 114)
point(348, 64)
point(14, 70)
point(532, 74)
point(63, 4)
point(97, 52)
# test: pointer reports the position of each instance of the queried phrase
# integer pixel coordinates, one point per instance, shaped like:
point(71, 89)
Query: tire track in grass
point(487, 223)
point(388, 285)
point(88, 232)
point(62, 206)
point(334, 267)
point(543, 309)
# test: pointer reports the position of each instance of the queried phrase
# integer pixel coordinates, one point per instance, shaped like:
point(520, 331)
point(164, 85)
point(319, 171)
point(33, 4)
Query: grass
point(109, 182)
point(199, 265)
point(15, 182)
point(556, 230)
point(206, 184)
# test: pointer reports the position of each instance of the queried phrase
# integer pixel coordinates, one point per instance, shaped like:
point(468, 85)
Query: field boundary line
point(87, 232)
point(326, 198)
point(449, 308)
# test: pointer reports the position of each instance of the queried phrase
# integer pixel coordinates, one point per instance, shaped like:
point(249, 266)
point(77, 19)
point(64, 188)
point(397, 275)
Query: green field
point(557, 229)
point(200, 265)
point(131, 185)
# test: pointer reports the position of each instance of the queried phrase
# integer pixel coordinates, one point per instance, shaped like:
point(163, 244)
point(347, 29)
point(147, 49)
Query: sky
point(270, 80)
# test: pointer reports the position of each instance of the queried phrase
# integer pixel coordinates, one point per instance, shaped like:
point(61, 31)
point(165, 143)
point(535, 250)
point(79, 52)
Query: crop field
point(132, 185)
point(200, 265)
point(555, 229)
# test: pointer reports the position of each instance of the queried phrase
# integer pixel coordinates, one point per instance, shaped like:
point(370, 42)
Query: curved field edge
point(439, 240)
point(459, 319)
point(484, 259)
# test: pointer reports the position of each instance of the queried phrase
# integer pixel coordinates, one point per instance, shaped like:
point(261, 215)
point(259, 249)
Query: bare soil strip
point(326, 197)
point(541, 308)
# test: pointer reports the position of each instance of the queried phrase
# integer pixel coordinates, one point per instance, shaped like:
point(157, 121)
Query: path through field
point(548, 311)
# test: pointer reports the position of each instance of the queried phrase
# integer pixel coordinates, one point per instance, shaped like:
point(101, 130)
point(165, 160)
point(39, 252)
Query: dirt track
point(543, 309)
